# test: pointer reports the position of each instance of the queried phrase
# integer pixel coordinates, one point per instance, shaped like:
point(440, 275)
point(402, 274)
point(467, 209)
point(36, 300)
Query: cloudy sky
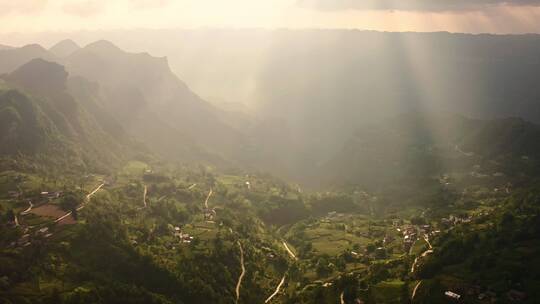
point(493, 16)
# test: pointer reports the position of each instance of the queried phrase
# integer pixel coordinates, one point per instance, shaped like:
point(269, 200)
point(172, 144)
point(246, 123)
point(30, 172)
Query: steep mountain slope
point(420, 145)
point(507, 137)
point(42, 117)
point(11, 59)
point(151, 102)
point(23, 128)
point(322, 85)
point(144, 97)
point(64, 48)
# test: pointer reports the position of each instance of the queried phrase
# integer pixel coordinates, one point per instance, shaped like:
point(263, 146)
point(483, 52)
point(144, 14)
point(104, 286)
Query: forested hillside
point(118, 184)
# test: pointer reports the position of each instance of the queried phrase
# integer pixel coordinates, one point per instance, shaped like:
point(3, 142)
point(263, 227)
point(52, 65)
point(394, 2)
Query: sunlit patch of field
point(92, 182)
point(231, 180)
point(203, 231)
point(34, 220)
point(333, 241)
point(13, 181)
point(48, 210)
point(132, 170)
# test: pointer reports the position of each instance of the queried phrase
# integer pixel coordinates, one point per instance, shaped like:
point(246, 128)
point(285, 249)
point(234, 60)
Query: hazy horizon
point(478, 16)
point(278, 151)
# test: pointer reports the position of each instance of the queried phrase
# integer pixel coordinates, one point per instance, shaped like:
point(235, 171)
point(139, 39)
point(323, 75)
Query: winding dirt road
point(415, 289)
point(429, 251)
point(239, 284)
point(30, 206)
point(144, 196)
point(341, 298)
point(293, 256)
point(82, 205)
point(413, 267)
point(207, 198)
point(277, 290)
point(427, 241)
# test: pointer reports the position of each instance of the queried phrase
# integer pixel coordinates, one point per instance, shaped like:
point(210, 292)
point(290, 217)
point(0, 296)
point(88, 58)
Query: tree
point(10, 215)
point(418, 220)
point(370, 247)
point(71, 200)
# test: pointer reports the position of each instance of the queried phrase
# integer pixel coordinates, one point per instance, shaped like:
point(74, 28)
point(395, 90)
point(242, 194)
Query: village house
point(183, 237)
point(452, 295)
point(51, 195)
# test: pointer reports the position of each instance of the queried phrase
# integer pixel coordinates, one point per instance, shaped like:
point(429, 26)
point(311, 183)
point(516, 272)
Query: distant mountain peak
point(12, 58)
point(103, 46)
point(34, 47)
point(64, 48)
point(40, 75)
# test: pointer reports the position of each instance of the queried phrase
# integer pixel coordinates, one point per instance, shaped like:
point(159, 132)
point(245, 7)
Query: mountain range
point(136, 91)
point(108, 99)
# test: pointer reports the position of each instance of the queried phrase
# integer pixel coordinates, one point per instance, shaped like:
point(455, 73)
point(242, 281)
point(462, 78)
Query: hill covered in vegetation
point(119, 185)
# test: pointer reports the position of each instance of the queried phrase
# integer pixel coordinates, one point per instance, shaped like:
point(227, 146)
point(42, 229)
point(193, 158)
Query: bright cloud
point(498, 16)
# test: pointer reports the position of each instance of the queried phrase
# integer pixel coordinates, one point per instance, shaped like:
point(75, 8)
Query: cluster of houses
point(183, 237)
point(453, 220)
point(410, 235)
point(43, 194)
point(25, 240)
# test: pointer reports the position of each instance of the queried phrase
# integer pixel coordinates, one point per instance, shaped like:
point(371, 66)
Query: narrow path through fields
point(293, 256)
point(144, 196)
point(427, 241)
point(207, 198)
point(413, 267)
point(239, 284)
point(415, 289)
point(430, 250)
point(30, 206)
point(277, 290)
point(82, 204)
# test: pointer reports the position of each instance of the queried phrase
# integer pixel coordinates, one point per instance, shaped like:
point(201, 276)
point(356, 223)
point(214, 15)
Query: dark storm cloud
point(412, 5)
